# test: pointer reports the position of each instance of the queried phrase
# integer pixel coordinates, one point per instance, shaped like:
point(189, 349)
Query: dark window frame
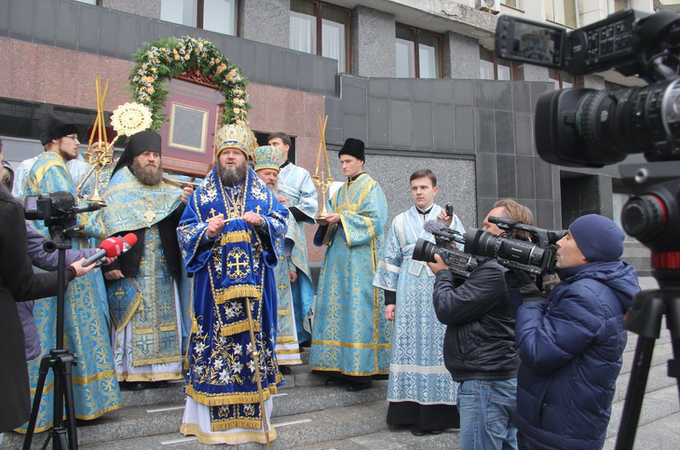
point(489, 55)
point(414, 33)
point(318, 7)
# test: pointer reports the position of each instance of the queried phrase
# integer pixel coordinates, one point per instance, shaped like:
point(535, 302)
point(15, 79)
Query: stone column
point(460, 55)
point(373, 42)
point(266, 21)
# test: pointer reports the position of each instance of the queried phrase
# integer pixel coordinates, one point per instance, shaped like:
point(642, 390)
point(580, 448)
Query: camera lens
point(585, 127)
point(644, 217)
point(424, 251)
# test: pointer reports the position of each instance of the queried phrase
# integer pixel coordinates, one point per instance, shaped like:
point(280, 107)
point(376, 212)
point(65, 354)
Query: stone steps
point(310, 416)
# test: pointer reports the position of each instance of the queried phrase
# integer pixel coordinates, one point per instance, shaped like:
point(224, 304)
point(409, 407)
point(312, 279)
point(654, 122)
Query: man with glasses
point(95, 387)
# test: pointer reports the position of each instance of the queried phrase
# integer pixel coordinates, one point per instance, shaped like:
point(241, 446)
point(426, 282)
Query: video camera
point(586, 127)
point(521, 246)
point(460, 263)
point(57, 209)
point(593, 128)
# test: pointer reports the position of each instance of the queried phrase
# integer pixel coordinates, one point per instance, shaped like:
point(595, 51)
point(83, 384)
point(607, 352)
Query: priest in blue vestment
point(231, 235)
point(421, 393)
point(350, 336)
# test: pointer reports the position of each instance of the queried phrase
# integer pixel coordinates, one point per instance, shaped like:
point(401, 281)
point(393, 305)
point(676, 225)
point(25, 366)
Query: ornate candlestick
point(322, 177)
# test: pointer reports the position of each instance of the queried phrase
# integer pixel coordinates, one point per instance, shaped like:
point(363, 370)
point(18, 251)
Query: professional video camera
point(586, 127)
point(460, 263)
point(56, 209)
point(590, 128)
point(521, 246)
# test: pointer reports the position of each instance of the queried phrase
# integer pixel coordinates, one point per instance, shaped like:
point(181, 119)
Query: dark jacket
point(128, 263)
point(17, 283)
point(480, 341)
point(46, 261)
point(571, 351)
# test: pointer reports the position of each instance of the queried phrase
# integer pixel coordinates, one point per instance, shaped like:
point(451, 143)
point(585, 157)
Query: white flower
point(224, 376)
point(218, 363)
point(198, 349)
point(236, 367)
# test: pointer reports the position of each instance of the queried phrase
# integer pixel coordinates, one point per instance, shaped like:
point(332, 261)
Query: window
point(562, 11)
point(321, 29)
point(494, 68)
point(212, 15)
point(616, 5)
point(418, 53)
point(511, 3)
point(563, 80)
point(91, 2)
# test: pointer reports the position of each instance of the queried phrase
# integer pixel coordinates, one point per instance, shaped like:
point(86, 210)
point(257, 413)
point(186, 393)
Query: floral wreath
point(169, 58)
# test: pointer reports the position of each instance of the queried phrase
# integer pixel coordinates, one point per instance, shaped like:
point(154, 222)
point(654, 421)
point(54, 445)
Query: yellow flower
point(187, 56)
point(176, 56)
point(217, 60)
point(150, 90)
point(220, 69)
point(240, 122)
point(237, 110)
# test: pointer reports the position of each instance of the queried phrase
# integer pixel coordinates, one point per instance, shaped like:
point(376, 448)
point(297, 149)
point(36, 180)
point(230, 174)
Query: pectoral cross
point(149, 215)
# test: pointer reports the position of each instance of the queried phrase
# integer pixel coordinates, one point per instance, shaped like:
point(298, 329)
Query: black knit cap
point(144, 141)
point(353, 147)
point(56, 125)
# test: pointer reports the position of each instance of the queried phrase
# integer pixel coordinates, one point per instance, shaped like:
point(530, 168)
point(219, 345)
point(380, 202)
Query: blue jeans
point(485, 409)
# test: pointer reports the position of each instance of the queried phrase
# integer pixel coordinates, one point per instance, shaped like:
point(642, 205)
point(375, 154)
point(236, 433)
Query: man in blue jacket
point(571, 346)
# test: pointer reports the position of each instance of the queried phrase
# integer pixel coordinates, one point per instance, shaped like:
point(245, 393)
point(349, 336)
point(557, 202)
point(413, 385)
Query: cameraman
point(571, 346)
point(479, 345)
point(18, 283)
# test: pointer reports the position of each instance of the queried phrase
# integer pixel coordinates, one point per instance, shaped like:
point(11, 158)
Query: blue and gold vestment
point(150, 348)
point(236, 264)
point(95, 387)
point(350, 334)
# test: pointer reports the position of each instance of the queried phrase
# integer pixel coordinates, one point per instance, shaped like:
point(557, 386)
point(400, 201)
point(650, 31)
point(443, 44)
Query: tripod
point(644, 318)
point(61, 361)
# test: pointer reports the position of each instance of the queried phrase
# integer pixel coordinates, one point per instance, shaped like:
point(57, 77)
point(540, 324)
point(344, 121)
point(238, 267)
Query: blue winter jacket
point(571, 350)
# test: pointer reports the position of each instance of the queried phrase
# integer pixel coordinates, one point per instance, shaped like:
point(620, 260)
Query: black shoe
point(285, 370)
point(356, 387)
point(335, 382)
point(132, 385)
point(436, 431)
point(417, 431)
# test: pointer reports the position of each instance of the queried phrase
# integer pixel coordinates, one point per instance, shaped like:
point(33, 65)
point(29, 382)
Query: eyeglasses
point(72, 136)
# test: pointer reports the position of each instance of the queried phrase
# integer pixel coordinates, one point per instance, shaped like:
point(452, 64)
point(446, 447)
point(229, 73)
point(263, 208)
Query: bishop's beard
point(232, 177)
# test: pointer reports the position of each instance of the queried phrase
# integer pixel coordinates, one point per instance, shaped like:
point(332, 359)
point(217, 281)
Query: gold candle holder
point(322, 177)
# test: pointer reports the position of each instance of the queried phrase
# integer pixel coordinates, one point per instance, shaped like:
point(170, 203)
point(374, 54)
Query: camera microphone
point(433, 225)
point(112, 247)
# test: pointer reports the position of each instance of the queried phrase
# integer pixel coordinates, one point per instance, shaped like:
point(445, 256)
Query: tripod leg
point(45, 364)
point(70, 407)
point(636, 391)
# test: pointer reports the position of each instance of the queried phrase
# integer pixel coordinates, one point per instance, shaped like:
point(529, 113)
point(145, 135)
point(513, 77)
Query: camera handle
point(61, 361)
point(644, 319)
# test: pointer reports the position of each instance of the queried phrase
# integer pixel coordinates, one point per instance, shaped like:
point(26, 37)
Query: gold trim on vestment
point(235, 236)
point(227, 438)
point(286, 351)
point(81, 381)
point(232, 292)
point(286, 340)
point(360, 346)
point(240, 327)
point(78, 416)
point(146, 362)
point(233, 398)
point(159, 376)
point(351, 374)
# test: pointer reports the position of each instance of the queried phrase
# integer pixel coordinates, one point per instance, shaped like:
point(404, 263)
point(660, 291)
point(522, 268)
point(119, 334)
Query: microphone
point(112, 247)
point(433, 225)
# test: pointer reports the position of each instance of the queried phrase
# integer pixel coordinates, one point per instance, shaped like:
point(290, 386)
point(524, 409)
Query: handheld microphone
point(112, 247)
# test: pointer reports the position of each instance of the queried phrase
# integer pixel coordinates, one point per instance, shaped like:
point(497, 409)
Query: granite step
point(164, 417)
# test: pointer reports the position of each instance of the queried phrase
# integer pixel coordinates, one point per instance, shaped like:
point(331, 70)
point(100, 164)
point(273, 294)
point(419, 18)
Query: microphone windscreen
point(113, 246)
point(432, 225)
point(130, 238)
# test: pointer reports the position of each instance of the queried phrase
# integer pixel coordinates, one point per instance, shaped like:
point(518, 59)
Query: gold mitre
point(235, 136)
point(267, 157)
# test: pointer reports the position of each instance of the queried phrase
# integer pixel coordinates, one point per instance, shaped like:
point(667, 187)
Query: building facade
point(416, 80)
